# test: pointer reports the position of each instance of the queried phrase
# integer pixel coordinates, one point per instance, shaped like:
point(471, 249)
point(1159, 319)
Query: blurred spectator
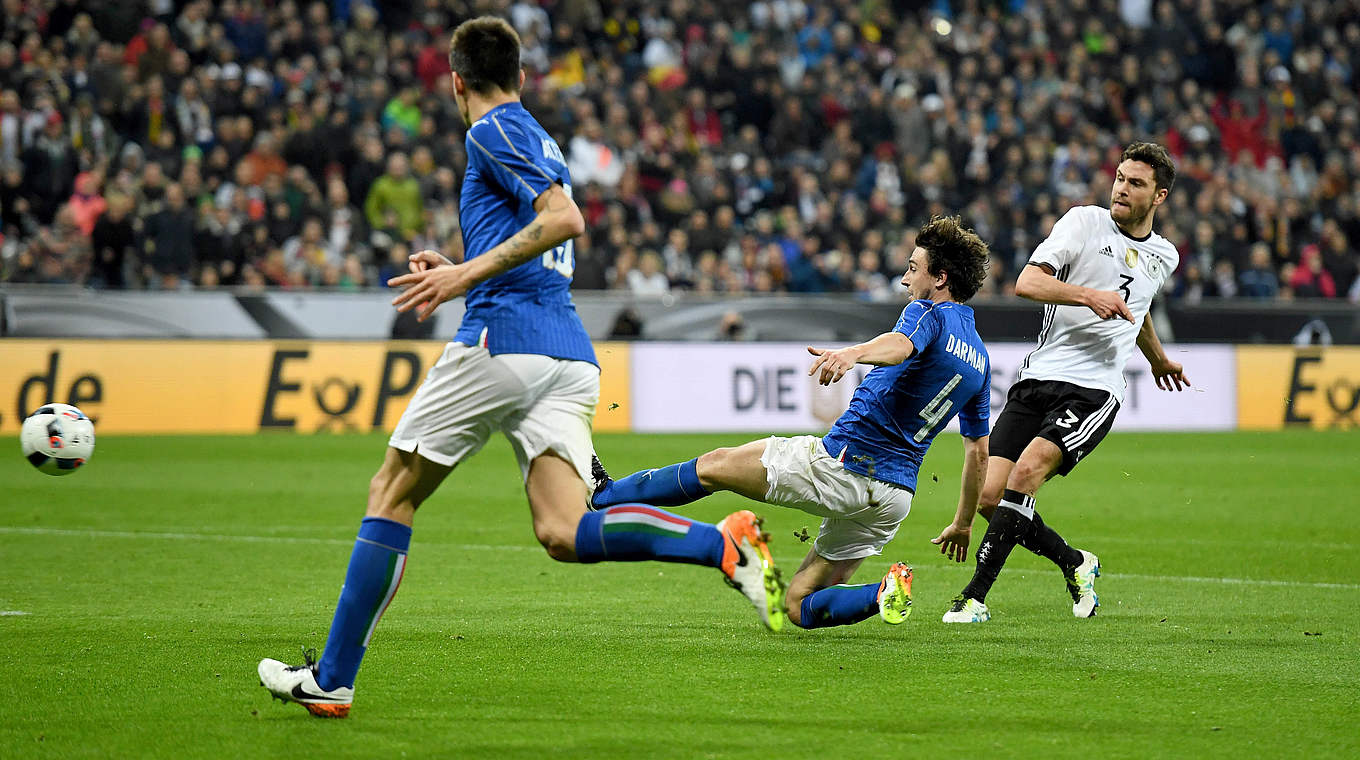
point(310, 251)
point(397, 263)
point(49, 169)
point(1258, 280)
point(403, 111)
point(648, 281)
point(396, 192)
point(86, 203)
point(169, 241)
point(11, 126)
point(590, 160)
point(263, 161)
point(1224, 280)
point(216, 243)
point(1309, 279)
point(345, 227)
point(16, 212)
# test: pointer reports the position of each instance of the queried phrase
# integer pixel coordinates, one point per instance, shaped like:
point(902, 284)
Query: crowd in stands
point(715, 147)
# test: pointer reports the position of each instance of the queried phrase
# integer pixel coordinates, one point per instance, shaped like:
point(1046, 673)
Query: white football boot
point(297, 683)
point(1081, 584)
point(967, 610)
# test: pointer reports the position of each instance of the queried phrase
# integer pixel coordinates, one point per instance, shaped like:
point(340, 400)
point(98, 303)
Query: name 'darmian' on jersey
point(967, 353)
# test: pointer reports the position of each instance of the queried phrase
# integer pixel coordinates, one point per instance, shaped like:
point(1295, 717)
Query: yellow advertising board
point(158, 386)
point(1284, 386)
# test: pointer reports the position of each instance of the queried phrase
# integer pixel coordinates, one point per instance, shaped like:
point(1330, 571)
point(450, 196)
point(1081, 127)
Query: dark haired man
point(521, 363)
point(860, 477)
point(1096, 274)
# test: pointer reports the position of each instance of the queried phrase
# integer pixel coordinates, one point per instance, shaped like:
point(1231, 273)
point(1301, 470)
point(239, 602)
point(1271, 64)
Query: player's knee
point(793, 607)
point(556, 542)
point(988, 500)
point(556, 533)
point(1027, 477)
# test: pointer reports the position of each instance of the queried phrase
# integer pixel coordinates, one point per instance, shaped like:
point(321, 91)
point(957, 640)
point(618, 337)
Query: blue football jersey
point(527, 310)
point(896, 411)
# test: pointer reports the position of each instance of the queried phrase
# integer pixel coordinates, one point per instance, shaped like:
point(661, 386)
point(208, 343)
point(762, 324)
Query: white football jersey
point(1087, 248)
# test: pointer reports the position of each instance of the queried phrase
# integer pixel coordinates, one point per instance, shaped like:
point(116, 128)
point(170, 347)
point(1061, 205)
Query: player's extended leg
point(818, 597)
point(735, 469)
point(639, 532)
point(1010, 521)
point(1040, 539)
point(326, 688)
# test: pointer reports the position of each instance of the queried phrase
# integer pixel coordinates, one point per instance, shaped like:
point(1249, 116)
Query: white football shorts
point(541, 404)
point(859, 514)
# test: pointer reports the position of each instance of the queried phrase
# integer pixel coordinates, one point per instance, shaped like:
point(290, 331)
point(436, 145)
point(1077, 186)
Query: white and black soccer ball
point(57, 439)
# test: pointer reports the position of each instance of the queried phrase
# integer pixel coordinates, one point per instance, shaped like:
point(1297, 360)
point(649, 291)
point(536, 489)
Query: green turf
point(155, 579)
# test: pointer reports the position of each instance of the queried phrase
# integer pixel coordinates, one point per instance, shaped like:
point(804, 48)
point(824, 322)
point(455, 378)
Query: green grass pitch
point(139, 593)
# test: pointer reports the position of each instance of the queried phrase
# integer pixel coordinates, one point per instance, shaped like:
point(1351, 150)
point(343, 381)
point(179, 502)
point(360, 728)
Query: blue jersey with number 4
point(896, 411)
point(527, 310)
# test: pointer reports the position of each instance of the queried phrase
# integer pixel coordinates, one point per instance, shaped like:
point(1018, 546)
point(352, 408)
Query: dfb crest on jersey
point(1131, 257)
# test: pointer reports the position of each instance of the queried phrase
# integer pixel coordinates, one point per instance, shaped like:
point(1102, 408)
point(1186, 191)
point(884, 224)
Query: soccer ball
point(57, 439)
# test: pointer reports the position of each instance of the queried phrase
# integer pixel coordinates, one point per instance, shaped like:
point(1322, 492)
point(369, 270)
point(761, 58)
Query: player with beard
point(1096, 274)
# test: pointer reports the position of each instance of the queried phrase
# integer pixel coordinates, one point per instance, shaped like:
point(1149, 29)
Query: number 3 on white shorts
point(937, 409)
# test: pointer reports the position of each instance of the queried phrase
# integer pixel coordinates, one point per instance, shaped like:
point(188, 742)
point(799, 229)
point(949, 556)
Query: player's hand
point(430, 288)
point(953, 541)
point(1168, 374)
point(1108, 304)
point(426, 259)
point(832, 364)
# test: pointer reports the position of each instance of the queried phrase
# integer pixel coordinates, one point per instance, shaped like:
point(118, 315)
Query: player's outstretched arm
point(953, 540)
point(887, 349)
point(1038, 283)
point(558, 221)
point(1168, 374)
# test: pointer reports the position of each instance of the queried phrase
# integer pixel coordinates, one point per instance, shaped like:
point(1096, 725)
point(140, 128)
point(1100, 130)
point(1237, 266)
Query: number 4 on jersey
point(937, 409)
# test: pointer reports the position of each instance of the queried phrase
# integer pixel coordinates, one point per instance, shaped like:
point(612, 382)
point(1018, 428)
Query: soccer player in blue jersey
point(860, 477)
point(521, 363)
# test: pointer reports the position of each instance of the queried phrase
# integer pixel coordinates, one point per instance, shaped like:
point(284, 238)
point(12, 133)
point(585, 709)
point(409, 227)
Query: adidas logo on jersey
point(1106, 251)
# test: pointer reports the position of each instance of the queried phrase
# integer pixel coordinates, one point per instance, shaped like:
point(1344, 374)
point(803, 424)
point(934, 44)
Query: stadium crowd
point(776, 145)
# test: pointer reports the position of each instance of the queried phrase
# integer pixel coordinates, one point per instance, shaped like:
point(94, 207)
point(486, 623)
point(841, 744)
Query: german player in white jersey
point(1096, 275)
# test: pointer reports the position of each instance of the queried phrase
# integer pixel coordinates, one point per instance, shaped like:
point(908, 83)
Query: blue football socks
point(375, 569)
point(839, 605)
point(669, 486)
point(635, 532)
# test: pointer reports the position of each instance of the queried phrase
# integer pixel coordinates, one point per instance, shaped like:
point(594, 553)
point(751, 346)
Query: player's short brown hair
point(1154, 155)
point(484, 51)
point(956, 251)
